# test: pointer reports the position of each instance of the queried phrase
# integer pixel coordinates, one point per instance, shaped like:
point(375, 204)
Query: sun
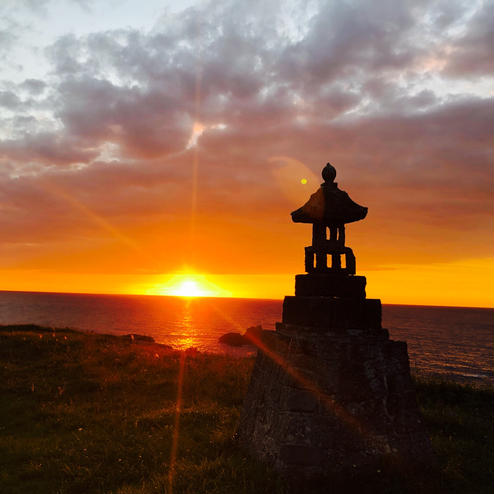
point(188, 288)
point(187, 285)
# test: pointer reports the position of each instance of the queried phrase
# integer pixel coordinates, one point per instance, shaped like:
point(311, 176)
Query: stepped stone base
point(322, 403)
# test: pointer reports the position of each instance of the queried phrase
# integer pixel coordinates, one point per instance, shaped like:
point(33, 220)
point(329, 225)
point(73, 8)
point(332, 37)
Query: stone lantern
point(330, 394)
point(329, 209)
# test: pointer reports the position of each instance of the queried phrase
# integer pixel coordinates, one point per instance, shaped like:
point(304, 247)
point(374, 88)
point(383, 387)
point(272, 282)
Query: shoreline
point(480, 382)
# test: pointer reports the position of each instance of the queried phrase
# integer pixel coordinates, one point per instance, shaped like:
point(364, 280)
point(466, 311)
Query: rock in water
point(253, 334)
point(232, 339)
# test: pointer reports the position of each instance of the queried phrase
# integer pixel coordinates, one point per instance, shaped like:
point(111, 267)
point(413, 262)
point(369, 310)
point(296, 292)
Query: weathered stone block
point(332, 314)
point(329, 285)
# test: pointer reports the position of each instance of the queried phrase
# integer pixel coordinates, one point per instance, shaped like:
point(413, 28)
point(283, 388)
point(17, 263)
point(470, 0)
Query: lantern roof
point(329, 205)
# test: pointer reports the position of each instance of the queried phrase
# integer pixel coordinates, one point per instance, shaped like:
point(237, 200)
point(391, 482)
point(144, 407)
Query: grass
point(95, 414)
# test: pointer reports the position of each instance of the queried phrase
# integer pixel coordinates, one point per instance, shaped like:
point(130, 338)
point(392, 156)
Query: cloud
point(108, 134)
point(9, 100)
point(34, 86)
point(470, 54)
point(47, 148)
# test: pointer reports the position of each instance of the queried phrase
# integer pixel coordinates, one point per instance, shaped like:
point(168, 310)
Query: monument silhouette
point(330, 393)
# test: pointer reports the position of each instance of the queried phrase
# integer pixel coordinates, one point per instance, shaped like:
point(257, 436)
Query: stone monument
point(330, 393)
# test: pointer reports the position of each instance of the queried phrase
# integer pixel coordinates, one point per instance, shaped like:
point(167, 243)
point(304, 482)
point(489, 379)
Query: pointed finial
point(329, 173)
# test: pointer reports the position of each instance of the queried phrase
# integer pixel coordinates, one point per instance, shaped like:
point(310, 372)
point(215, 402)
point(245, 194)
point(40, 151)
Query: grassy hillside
point(96, 414)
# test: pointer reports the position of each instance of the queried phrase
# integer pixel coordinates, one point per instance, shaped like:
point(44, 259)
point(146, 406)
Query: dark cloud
point(34, 86)
point(47, 148)
point(9, 100)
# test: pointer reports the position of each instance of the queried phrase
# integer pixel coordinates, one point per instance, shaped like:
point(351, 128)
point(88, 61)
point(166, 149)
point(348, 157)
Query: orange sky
point(136, 155)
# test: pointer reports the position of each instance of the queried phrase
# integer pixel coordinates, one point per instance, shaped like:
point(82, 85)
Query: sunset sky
point(144, 144)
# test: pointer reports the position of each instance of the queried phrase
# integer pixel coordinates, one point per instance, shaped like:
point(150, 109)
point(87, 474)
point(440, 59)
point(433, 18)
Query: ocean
point(451, 341)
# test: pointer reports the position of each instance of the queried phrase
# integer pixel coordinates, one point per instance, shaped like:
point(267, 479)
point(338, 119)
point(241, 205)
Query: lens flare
point(176, 422)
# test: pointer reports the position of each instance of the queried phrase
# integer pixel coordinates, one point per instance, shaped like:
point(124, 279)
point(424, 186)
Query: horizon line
point(225, 297)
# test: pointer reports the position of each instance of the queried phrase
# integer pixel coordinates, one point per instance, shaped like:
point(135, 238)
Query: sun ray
point(101, 222)
point(176, 421)
point(198, 129)
point(329, 403)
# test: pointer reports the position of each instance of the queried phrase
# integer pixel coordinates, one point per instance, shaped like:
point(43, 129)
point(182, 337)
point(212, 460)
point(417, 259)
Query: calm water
point(445, 340)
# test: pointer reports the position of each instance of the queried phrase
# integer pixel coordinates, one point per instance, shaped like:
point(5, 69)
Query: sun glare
point(189, 288)
point(197, 131)
point(187, 285)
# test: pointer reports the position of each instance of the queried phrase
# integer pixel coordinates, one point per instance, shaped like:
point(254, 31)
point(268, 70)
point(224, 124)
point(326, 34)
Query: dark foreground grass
point(95, 414)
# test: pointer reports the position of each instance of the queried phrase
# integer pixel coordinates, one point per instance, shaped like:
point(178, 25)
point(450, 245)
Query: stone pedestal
point(330, 393)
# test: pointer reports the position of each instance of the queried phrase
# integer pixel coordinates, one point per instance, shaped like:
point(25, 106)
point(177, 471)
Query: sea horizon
point(228, 297)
